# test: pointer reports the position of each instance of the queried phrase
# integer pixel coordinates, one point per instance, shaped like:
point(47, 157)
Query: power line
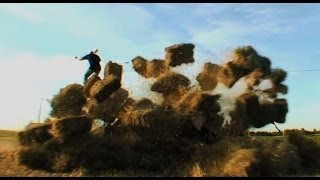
point(304, 70)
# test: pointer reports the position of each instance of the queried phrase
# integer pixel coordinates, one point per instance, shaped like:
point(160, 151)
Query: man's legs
point(86, 76)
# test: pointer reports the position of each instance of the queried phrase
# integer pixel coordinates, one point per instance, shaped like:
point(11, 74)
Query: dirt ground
point(9, 165)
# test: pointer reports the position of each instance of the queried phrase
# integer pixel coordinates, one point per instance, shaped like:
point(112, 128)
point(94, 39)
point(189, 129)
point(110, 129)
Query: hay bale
point(109, 109)
point(114, 69)
point(280, 88)
point(91, 81)
point(179, 54)
point(148, 69)
point(171, 100)
point(155, 68)
point(37, 134)
point(208, 77)
point(273, 112)
point(245, 113)
point(244, 60)
point(254, 78)
point(170, 82)
point(68, 102)
point(241, 162)
point(197, 101)
point(104, 88)
point(278, 76)
point(36, 157)
point(246, 57)
point(73, 126)
point(140, 65)
point(230, 74)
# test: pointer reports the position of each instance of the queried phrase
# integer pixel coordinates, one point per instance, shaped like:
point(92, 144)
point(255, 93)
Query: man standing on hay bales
point(94, 61)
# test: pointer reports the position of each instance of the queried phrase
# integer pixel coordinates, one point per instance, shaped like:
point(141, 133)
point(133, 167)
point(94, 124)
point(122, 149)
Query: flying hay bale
point(170, 82)
point(73, 126)
point(244, 60)
point(273, 112)
point(68, 102)
point(278, 76)
point(37, 134)
point(114, 69)
point(208, 77)
point(246, 57)
point(254, 78)
point(91, 81)
point(148, 69)
point(104, 88)
point(179, 54)
point(197, 101)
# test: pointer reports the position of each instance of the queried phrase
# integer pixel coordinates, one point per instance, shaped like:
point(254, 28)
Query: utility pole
point(40, 108)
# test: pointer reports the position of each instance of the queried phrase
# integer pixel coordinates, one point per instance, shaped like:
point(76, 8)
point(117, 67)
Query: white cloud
point(25, 11)
point(28, 78)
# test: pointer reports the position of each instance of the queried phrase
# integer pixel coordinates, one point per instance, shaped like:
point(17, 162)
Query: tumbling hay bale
point(91, 81)
point(104, 88)
point(114, 69)
point(208, 77)
point(230, 74)
point(242, 162)
point(170, 82)
point(254, 78)
point(68, 102)
point(283, 89)
point(197, 101)
point(73, 126)
point(37, 134)
point(143, 103)
point(156, 67)
point(274, 112)
point(244, 60)
point(140, 65)
point(246, 57)
point(278, 76)
point(148, 69)
point(179, 54)
point(245, 113)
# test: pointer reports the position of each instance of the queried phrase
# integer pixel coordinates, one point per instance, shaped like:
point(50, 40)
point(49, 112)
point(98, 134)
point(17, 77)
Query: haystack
point(104, 88)
point(36, 134)
point(179, 54)
point(208, 77)
point(68, 102)
point(114, 69)
point(170, 82)
point(77, 125)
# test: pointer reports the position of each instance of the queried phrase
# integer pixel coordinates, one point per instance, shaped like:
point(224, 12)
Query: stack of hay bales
point(69, 101)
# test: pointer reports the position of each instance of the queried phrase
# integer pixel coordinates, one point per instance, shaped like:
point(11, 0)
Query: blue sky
point(39, 42)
